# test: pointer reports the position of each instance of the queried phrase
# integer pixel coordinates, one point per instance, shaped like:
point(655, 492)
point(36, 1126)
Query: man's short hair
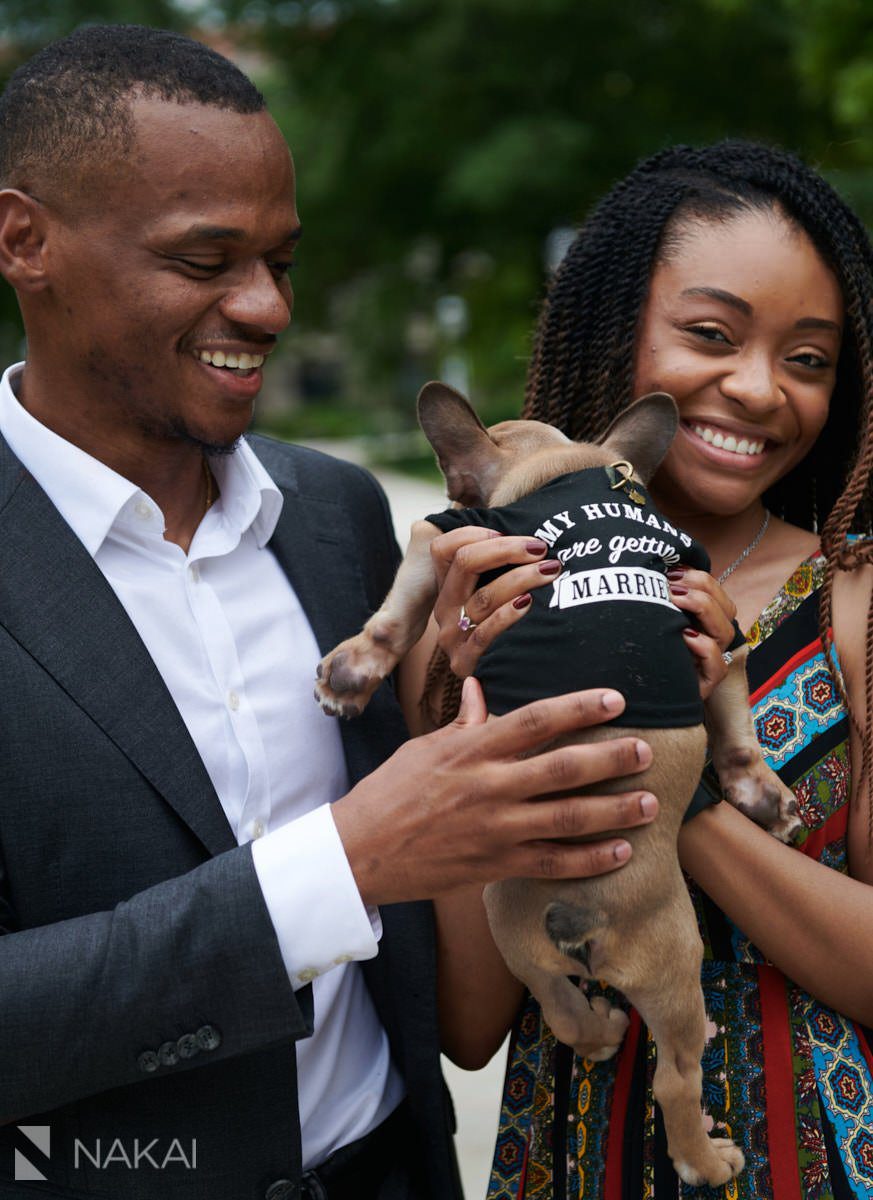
point(67, 111)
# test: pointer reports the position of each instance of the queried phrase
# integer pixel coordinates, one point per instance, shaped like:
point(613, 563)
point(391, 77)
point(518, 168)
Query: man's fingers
point(551, 860)
point(588, 816)
point(472, 710)
point(537, 724)
point(577, 766)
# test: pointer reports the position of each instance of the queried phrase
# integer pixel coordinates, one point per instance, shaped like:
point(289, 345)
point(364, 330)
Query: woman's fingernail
point(612, 701)
point(678, 589)
point(648, 804)
point(536, 547)
point(522, 601)
point(689, 632)
point(676, 573)
point(622, 851)
point(552, 567)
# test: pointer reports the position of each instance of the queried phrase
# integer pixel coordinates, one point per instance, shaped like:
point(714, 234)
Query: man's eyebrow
point(736, 302)
point(227, 233)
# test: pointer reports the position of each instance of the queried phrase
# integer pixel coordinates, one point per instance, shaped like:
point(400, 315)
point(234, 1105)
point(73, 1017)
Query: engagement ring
point(464, 623)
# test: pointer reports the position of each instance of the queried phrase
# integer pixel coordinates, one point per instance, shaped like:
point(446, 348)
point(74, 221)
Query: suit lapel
point(315, 546)
point(56, 604)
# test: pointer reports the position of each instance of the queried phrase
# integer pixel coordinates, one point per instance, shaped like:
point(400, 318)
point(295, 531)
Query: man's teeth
point(236, 362)
point(728, 442)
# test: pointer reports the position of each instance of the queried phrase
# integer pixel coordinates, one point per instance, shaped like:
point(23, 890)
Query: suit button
point(282, 1189)
point(187, 1045)
point(208, 1037)
point(168, 1054)
point(148, 1061)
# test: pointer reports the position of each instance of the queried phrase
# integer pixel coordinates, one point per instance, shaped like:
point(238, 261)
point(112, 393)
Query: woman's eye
point(810, 359)
point(709, 333)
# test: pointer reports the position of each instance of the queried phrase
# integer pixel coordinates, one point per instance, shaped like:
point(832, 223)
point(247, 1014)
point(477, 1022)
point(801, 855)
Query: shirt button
point(194, 573)
point(143, 510)
point(232, 701)
point(257, 829)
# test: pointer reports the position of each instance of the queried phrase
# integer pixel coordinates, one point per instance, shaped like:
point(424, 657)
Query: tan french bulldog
point(633, 929)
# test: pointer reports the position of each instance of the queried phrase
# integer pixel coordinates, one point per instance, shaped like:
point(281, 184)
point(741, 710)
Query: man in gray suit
point(217, 962)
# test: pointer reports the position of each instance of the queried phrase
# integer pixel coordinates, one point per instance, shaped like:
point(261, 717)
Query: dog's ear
point(643, 432)
point(466, 454)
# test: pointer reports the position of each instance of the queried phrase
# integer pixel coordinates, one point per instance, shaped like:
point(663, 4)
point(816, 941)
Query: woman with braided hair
point(734, 278)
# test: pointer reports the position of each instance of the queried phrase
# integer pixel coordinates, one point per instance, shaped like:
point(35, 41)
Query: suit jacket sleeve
point(135, 938)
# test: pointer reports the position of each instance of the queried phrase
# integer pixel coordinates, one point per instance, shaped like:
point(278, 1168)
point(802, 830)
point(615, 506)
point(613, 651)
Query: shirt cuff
point(310, 892)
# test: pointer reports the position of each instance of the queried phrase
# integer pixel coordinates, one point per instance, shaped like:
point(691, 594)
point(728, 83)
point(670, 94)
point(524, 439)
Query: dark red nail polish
point(549, 568)
point(522, 601)
point(678, 589)
point(689, 632)
point(676, 573)
point(536, 547)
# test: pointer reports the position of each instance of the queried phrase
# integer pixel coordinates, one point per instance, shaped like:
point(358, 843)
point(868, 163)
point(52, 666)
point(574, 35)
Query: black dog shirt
point(607, 620)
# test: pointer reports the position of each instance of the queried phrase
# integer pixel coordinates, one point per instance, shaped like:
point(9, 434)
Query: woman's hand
point(704, 599)
point(460, 558)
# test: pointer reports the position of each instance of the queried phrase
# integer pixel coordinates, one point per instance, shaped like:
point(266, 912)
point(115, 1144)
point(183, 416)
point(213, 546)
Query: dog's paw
point(750, 786)
point(604, 1036)
point(348, 676)
point(723, 1162)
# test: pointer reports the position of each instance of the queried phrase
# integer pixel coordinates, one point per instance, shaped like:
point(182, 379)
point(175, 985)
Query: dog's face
point(489, 467)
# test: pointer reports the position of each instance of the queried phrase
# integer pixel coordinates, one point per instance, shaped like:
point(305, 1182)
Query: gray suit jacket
point(142, 993)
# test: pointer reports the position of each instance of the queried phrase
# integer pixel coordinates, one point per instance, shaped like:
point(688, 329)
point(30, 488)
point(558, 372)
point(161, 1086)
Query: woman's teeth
point(233, 362)
point(728, 442)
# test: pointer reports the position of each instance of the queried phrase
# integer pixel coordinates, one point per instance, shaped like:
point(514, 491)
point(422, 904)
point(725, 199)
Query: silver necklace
point(748, 550)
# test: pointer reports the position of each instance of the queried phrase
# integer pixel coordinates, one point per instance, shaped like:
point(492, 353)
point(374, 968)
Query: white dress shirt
point(227, 633)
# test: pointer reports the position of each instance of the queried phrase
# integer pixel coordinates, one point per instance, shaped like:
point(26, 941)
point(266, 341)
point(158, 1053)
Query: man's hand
point(474, 802)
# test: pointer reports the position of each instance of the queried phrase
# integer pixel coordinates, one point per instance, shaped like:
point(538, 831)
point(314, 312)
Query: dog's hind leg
point(676, 1017)
point(747, 781)
point(594, 1028)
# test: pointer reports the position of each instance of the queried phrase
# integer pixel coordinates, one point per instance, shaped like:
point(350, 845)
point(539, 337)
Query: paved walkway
point(476, 1093)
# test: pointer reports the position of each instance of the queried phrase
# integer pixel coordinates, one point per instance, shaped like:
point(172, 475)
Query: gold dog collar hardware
point(620, 476)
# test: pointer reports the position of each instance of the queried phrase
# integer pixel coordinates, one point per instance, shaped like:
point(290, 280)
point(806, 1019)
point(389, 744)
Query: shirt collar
point(91, 496)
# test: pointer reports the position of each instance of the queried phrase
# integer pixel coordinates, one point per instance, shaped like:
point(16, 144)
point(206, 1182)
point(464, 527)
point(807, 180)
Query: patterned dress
point(789, 1080)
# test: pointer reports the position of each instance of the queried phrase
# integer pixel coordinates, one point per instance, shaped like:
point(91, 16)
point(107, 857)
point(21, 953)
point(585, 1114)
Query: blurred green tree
point(443, 145)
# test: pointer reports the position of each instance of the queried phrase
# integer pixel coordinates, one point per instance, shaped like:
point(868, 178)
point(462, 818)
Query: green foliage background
point(438, 142)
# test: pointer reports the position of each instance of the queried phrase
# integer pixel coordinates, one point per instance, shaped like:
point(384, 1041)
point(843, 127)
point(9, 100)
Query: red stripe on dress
point(834, 827)
point(785, 670)
point(782, 1135)
point(865, 1049)
point(613, 1181)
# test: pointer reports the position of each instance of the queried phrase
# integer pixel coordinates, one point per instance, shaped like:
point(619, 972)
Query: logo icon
point(39, 1136)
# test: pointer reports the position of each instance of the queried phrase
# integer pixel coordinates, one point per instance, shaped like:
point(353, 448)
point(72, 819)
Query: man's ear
point(22, 237)
point(468, 458)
